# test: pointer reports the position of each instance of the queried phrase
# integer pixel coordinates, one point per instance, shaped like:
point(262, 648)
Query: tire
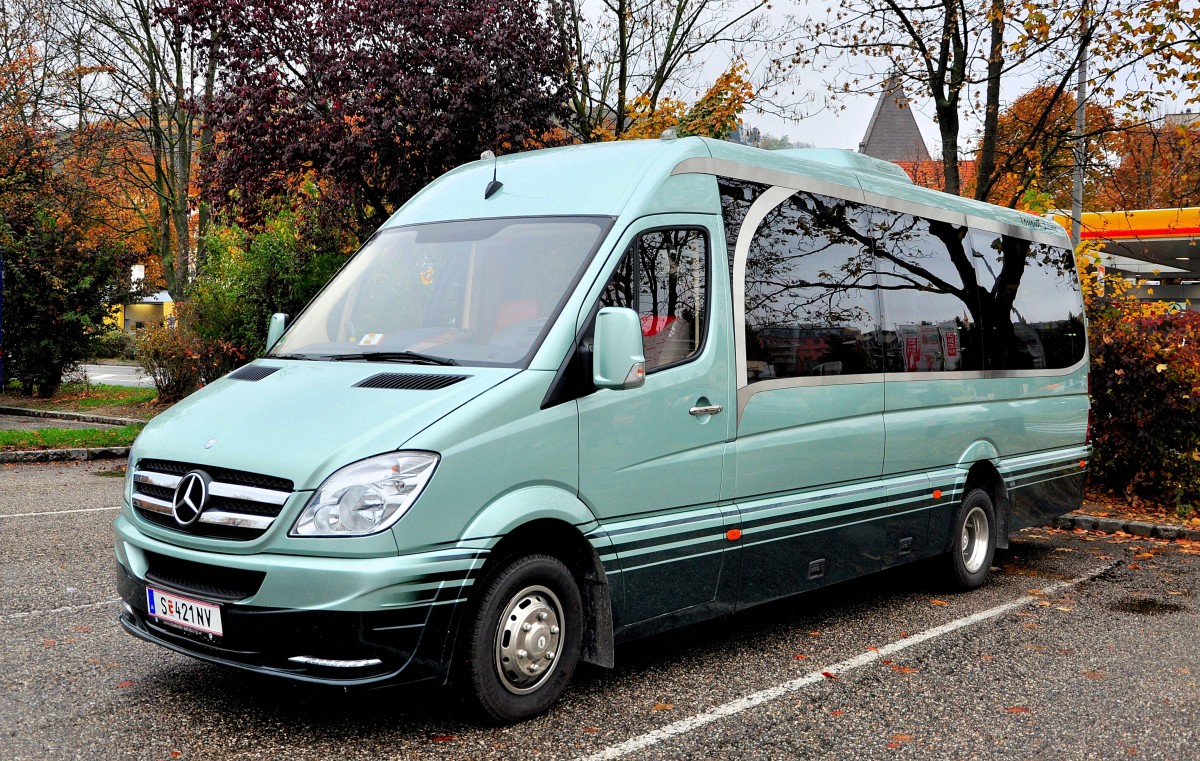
point(973, 541)
point(522, 639)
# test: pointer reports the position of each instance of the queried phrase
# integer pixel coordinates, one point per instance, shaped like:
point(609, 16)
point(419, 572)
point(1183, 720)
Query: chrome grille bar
point(224, 515)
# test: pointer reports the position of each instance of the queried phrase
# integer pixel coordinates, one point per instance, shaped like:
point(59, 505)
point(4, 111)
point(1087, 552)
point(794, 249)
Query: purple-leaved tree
point(377, 97)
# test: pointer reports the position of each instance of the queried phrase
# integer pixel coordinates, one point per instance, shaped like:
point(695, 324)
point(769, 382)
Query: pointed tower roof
point(892, 134)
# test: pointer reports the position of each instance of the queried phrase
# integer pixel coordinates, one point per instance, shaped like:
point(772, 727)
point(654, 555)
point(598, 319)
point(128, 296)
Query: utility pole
point(1080, 126)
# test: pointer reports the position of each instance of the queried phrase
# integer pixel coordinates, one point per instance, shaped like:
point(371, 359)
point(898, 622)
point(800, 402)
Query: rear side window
point(810, 301)
point(1030, 295)
point(930, 305)
point(663, 276)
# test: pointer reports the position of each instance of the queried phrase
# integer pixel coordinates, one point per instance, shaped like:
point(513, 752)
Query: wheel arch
point(550, 521)
point(983, 474)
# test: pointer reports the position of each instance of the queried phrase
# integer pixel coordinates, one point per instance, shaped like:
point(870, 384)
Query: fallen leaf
point(892, 746)
point(82, 629)
point(443, 738)
point(663, 706)
point(1134, 567)
point(49, 642)
point(836, 713)
point(1043, 603)
point(905, 669)
point(1065, 608)
point(1017, 709)
point(1131, 751)
point(1093, 675)
point(901, 738)
point(828, 675)
point(124, 684)
point(591, 730)
point(814, 634)
point(873, 649)
point(886, 662)
point(1143, 555)
point(938, 602)
point(800, 656)
point(176, 754)
point(903, 634)
point(1032, 625)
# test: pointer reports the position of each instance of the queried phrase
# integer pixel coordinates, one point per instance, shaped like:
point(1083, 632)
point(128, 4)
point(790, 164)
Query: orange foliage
point(1159, 167)
point(716, 114)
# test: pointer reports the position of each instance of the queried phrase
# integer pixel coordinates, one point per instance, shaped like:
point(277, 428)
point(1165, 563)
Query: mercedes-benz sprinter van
point(570, 397)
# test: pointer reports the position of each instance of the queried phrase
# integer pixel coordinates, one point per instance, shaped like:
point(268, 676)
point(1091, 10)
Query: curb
point(79, 417)
point(1149, 530)
point(63, 455)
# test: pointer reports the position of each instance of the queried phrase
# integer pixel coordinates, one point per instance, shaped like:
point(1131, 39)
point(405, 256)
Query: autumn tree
point(623, 57)
point(1157, 166)
point(377, 97)
point(1038, 153)
point(715, 114)
point(62, 266)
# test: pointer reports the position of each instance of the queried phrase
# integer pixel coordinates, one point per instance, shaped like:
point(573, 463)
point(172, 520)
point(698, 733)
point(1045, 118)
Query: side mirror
point(275, 328)
point(618, 360)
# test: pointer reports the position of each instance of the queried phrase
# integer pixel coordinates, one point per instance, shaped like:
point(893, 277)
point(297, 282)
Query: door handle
point(707, 409)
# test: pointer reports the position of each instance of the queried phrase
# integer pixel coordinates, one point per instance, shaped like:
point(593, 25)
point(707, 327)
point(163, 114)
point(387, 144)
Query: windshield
point(479, 292)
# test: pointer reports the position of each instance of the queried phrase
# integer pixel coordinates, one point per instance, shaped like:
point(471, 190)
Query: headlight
point(366, 497)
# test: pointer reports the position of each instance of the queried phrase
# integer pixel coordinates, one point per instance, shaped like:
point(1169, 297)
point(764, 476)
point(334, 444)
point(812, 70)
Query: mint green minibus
point(568, 398)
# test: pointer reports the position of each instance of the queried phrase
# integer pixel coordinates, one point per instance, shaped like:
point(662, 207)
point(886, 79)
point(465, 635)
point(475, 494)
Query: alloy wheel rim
point(975, 537)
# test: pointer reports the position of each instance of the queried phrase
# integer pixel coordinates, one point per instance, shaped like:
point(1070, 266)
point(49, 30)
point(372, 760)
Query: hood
point(301, 420)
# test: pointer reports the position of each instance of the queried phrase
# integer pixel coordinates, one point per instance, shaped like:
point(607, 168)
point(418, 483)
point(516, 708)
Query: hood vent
point(253, 372)
point(410, 381)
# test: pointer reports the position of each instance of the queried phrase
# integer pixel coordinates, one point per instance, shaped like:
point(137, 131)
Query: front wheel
point(974, 541)
point(523, 638)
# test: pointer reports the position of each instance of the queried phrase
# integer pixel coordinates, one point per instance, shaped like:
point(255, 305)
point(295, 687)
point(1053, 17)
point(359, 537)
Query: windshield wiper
point(390, 356)
point(292, 356)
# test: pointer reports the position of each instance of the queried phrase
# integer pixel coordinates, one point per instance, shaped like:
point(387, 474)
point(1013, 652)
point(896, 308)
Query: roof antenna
point(495, 184)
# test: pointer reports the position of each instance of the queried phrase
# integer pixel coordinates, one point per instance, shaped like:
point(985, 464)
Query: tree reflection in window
point(810, 308)
point(662, 276)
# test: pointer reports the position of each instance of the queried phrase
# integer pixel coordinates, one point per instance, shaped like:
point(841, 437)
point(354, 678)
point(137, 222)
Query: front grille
point(240, 505)
point(201, 580)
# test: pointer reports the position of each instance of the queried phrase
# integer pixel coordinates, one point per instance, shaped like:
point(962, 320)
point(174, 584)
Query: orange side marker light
point(733, 534)
point(937, 493)
point(1083, 463)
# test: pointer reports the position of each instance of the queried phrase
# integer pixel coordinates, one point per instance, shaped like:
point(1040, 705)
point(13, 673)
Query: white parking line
point(684, 726)
point(60, 512)
point(52, 611)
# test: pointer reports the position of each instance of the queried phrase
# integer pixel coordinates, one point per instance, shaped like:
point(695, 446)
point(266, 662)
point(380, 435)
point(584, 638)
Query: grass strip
point(68, 438)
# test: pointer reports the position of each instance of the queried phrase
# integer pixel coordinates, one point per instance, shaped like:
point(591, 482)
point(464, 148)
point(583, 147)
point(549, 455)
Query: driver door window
point(663, 276)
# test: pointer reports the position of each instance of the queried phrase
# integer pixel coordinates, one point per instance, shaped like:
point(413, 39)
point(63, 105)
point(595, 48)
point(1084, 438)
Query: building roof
point(892, 134)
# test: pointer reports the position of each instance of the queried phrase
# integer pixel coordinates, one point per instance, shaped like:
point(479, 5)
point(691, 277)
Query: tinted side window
point(664, 277)
point(737, 196)
point(1029, 293)
point(930, 306)
point(810, 304)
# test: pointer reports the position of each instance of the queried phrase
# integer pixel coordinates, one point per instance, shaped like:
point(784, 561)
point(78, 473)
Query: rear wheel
point(973, 541)
point(523, 638)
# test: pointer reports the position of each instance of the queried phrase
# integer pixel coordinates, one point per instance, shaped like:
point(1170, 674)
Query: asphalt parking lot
point(1080, 646)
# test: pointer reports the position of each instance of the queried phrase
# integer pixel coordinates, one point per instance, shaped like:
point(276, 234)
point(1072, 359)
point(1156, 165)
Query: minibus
point(567, 398)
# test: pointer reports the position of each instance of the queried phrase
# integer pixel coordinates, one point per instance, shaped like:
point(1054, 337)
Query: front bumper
point(380, 621)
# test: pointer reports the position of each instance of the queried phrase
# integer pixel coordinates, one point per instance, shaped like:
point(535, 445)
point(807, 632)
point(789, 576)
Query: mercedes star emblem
point(190, 497)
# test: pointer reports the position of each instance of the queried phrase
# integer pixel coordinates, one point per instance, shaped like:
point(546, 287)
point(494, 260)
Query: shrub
point(114, 343)
point(1146, 406)
point(179, 360)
